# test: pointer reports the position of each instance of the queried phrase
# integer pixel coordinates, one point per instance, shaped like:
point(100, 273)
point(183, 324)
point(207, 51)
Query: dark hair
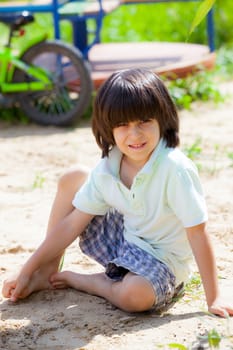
point(130, 95)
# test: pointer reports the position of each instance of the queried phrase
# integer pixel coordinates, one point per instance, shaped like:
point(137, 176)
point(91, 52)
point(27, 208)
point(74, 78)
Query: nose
point(134, 130)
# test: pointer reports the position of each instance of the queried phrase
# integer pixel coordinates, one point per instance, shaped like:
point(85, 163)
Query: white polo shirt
point(166, 197)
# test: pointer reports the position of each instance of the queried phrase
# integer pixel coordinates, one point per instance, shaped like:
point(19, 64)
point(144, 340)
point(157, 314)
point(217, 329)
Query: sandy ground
point(31, 160)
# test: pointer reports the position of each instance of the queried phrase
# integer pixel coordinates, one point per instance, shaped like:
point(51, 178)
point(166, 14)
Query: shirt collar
point(155, 155)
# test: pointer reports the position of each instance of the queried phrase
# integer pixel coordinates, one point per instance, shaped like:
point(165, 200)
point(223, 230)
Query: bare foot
point(65, 279)
point(95, 284)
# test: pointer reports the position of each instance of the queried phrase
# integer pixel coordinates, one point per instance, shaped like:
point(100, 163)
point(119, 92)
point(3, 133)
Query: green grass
point(194, 150)
point(230, 157)
point(166, 22)
point(152, 22)
point(38, 181)
point(199, 87)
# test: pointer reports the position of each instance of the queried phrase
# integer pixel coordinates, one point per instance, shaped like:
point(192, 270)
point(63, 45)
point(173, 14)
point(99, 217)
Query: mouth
point(137, 145)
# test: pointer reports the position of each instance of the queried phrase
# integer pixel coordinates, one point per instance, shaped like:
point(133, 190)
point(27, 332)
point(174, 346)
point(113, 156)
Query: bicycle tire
point(72, 87)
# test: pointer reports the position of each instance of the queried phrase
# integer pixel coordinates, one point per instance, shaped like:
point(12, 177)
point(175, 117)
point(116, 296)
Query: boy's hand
point(16, 288)
point(221, 307)
point(21, 285)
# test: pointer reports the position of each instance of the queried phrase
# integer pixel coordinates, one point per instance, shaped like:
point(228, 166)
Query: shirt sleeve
point(89, 198)
point(185, 196)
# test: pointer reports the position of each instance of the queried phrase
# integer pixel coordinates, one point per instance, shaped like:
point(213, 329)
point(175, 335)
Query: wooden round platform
point(170, 59)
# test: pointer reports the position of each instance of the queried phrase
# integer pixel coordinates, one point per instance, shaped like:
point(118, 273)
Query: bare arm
point(204, 256)
point(57, 240)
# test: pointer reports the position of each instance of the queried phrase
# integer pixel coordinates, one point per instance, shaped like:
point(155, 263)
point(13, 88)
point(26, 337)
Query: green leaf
point(202, 11)
point(214, 339)
point(177, 346)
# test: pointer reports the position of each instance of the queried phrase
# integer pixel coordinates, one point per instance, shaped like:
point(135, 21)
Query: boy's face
point(137, 139)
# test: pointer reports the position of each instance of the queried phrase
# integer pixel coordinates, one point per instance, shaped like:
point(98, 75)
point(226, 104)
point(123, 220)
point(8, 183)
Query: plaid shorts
point(103, 240)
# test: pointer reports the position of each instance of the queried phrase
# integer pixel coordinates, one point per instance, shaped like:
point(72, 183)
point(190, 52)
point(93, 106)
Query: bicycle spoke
point(70, 89)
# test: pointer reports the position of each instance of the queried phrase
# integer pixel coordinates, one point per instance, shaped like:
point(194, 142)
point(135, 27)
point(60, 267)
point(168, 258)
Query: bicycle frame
point(9, 62)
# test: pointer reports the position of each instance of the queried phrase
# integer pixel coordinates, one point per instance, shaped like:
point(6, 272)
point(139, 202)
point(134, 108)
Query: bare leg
point(134, 293)
point(68, 185)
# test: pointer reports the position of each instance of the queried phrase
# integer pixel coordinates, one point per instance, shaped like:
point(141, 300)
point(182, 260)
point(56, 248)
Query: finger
point(225, 313)
point(17, 293)
point(14, 296)
point(230, 311)
point(219, 311)
point(7, 288)
point(58, 284)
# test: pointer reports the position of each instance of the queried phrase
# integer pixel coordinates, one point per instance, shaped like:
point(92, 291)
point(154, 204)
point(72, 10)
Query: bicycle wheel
point(71, 84)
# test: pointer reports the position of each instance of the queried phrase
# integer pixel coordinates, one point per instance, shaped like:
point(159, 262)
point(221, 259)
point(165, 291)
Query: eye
point(121, 124)
point(146, 121)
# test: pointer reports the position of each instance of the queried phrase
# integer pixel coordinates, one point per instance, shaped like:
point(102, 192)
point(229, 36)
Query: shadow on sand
point(68, 320)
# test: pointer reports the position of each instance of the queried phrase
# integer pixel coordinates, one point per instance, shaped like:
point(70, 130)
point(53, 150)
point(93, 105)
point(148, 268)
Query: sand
point(31, 160)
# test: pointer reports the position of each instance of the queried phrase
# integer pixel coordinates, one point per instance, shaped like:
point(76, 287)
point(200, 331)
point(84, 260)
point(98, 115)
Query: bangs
point(129, 104)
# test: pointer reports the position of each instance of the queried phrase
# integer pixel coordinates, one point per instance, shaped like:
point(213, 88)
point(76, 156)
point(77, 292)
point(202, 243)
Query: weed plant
point(224, 62)
point(198, 87)
point(230, 157)
point(209, 338)
point(38, 181)
point(193, 152)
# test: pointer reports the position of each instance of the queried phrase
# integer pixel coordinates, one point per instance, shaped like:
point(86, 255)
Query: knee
point(137, 298)
point(73, 178)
